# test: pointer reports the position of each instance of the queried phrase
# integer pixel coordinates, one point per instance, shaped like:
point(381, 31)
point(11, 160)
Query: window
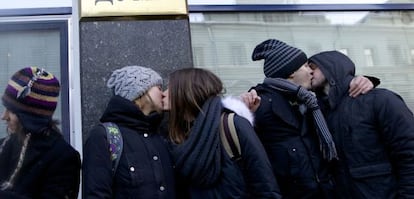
point(198, 56)
point(372, 38)
point(396, 55)
point(369, 61)
point(41, 44)
point(238, 55)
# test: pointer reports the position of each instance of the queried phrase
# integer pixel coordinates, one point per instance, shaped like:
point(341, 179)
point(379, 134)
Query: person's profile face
point(156, 95)
point(166, 100)
point(318, 79)
point(12, 121)
point(303, 76)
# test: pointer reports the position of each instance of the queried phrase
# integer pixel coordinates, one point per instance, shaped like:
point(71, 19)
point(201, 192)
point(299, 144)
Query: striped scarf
point(326, 143)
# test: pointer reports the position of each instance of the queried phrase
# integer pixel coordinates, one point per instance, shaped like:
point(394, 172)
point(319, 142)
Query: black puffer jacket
point(292, 146)
point(145, 169)
point(374, 135)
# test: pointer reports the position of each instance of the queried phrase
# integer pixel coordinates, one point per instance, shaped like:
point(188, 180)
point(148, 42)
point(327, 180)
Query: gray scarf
point(326, 143)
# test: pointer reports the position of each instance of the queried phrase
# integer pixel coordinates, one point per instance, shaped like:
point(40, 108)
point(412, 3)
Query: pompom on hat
point(32, 94)
point(280, 59)
point(132, 82)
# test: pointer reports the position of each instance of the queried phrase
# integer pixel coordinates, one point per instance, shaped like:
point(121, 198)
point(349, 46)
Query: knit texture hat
point(32, 94)
point(131, 82)
point(280, 59)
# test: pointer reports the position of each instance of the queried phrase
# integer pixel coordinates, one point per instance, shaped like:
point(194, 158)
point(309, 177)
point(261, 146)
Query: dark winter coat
point(292, 146)
point(374, 135)
point(145, 168)
point(50, 170)
point(250, 177)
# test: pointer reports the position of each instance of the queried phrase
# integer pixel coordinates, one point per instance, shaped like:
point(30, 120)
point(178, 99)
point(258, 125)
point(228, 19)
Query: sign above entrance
point(105, 8)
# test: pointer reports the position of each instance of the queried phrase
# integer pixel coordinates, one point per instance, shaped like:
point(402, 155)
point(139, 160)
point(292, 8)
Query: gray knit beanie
point(131, 82)
point(280, 59)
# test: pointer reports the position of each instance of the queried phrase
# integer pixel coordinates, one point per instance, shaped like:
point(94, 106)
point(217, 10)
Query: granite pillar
point(161, 44)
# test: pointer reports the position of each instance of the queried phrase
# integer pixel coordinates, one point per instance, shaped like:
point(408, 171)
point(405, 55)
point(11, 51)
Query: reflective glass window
point(381, 43)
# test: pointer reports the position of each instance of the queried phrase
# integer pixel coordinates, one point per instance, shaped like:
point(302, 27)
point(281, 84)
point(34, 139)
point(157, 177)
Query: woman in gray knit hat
point(144, 168)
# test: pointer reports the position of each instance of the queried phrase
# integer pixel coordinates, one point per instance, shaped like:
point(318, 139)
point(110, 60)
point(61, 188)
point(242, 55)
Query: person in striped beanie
point(298, 144)
point(35, 160)
point(280, 59)
point(32, 94)
point(290, 123)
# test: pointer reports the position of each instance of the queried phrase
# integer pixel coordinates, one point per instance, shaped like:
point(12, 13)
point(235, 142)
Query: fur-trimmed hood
point(236, 105)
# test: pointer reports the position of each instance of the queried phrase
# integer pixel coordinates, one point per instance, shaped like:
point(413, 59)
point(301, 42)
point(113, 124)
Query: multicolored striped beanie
point(32, 94)
point(280, 59)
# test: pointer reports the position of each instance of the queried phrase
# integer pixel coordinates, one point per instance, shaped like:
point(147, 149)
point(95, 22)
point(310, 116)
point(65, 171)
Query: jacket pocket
point(299, 163)
point(371, 170)
point(373, 181)
point(290, 159)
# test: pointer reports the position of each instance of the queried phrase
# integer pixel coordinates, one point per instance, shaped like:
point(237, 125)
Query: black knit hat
point(280, 59)
point(32, 94)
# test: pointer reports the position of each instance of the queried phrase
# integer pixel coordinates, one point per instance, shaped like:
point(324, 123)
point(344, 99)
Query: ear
point(291, 76)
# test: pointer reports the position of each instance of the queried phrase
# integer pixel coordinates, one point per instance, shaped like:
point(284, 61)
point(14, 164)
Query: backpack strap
point(229, 137)
point(115, 141)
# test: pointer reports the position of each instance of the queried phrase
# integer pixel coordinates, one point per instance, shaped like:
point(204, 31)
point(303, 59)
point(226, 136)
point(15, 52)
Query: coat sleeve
point(63, 178)
point(396, 123)
point(257, 170)
point(97, 166)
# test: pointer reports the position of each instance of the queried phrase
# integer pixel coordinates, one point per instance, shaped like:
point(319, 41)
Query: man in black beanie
point(289, 123)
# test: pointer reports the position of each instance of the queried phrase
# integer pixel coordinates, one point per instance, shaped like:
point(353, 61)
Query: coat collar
point(239, 107)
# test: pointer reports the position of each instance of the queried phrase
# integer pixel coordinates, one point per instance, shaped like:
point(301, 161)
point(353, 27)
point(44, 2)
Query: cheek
point(156, 96)
point(160, 98)
point(316, 75)
point(306, 76)
point(13, 124)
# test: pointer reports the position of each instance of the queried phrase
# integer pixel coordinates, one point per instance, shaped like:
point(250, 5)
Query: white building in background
point(380, 43)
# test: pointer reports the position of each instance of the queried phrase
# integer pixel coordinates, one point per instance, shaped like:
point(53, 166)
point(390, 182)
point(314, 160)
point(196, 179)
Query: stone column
point(161, 42)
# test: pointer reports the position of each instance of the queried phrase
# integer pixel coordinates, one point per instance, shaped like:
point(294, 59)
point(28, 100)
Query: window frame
point(62, 27)
point(299, 7)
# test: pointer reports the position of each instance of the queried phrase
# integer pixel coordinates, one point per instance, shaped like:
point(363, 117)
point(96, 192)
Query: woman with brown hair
point(195, 103)
point(35, 160)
